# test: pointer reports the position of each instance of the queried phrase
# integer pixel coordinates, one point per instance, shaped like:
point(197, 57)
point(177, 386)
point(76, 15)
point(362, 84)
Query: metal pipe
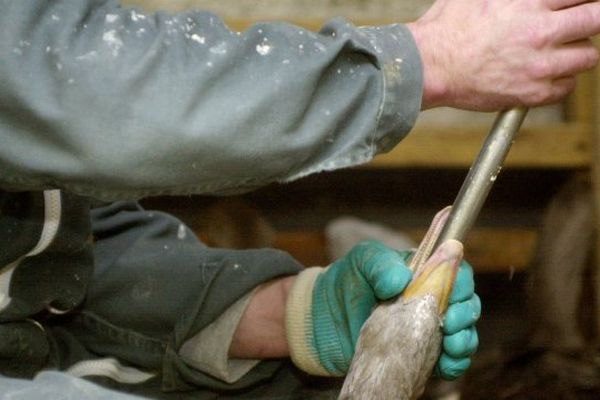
point(482, 175)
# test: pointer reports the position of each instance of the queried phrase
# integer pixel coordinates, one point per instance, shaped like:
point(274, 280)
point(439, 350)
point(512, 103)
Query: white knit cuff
point(298, 323)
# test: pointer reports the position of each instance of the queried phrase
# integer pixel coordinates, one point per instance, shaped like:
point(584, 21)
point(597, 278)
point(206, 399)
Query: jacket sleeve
point(112, 102)
point(156, 289)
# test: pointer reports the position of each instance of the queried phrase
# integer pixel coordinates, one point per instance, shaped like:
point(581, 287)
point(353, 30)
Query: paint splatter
point(263, 49)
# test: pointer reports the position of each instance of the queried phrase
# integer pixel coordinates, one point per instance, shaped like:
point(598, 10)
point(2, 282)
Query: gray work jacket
point(110, 102)
point(102, 101)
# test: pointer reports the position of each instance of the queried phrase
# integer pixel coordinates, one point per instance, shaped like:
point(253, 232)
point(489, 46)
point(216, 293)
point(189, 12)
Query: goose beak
point(436, 276)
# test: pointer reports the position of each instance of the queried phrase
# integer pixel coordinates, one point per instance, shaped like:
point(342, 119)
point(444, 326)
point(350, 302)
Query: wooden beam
point(580, 104)
point(487, 249)
point(558, 146)
point(595, 171)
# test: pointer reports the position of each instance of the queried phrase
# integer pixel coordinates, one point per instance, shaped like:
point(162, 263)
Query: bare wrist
point(435, 87)
point(261, 331)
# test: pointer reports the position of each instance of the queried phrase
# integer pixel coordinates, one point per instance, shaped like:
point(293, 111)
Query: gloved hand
point(327, 307)
point(460, 336)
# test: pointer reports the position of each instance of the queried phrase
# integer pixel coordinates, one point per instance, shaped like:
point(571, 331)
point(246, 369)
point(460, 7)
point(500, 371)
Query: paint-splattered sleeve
point(112, 102)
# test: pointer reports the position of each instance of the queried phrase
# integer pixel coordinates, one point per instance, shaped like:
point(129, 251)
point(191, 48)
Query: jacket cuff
point(400, 61)
point(299, 324)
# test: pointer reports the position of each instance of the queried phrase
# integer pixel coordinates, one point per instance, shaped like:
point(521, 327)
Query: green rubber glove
point(327, 307)
point(460, 336)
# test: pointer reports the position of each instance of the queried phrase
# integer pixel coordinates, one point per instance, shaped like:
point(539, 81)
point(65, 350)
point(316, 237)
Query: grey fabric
point(21, 220)
point(154, 288)
point(55, 385)
point(24, 348)
point(110, 102)
point(57, 278)
point(286, 384)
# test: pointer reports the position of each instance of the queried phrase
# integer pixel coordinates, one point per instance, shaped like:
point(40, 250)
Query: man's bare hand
point(491, 54)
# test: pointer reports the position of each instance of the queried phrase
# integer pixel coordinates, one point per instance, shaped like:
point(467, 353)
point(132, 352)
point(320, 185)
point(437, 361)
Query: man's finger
point(560, 88)
point(462, 343)
point(451, 368)
point(561, 4)
point(462, 315)
point(576, 23)
point(576, 57)
point(387, 273)
point(464, 285)
point(567, 60)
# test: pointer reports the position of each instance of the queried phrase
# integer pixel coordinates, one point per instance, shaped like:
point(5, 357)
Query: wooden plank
point(558, 146)
point(580, 104)
point(501, 250)
point(308, 247)
point(595, 171)
point(487, 249)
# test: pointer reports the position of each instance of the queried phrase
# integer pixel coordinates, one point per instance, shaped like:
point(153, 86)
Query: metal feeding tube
point(482, 175)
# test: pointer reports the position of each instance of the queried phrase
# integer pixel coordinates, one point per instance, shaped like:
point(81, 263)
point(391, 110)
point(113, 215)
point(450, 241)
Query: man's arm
point(316, 316)
point(114, 103)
